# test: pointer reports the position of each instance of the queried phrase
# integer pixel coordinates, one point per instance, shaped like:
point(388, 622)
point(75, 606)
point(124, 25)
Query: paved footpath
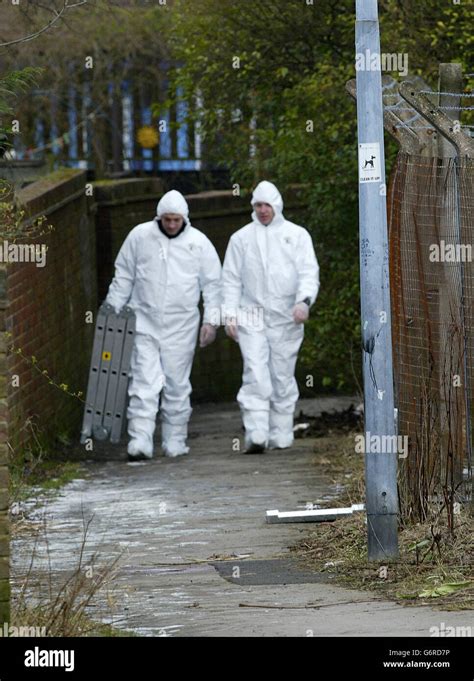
point(196, 555)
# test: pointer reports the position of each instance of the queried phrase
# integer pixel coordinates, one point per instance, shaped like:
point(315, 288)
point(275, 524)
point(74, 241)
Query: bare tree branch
point(58, 15)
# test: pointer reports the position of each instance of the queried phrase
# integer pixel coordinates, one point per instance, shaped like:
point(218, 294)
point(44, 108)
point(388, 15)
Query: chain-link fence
point(431, 228)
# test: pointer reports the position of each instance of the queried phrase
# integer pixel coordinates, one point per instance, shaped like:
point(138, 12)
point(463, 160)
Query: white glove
point(300, 313)
point(114, 307)
point(231, 329)
point(207, 335)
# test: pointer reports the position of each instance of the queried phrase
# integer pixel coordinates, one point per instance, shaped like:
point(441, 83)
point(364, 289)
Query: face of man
point(265, 212)
point(172, 223)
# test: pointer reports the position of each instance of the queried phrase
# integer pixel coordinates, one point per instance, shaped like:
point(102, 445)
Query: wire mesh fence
point(431, 225)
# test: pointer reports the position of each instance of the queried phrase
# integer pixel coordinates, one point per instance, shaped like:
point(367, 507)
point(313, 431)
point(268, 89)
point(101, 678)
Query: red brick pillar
point(4, 525)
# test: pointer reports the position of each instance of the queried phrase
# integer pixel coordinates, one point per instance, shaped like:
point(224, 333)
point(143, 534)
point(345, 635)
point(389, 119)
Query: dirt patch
point(328, 423)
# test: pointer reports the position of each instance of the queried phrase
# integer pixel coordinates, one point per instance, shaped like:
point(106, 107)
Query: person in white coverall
point(160, 272)
point(270, 280)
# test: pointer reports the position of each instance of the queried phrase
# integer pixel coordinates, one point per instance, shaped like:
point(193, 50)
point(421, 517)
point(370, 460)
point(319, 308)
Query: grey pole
point(380, 450)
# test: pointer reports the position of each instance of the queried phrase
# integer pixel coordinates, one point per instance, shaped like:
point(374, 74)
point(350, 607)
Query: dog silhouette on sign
point(369, 162)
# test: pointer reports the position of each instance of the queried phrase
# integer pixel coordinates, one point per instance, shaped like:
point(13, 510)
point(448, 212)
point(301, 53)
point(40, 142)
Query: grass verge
point(435, 567)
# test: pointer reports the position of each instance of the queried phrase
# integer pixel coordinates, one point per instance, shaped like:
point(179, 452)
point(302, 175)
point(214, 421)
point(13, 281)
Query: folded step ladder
point(106, 397)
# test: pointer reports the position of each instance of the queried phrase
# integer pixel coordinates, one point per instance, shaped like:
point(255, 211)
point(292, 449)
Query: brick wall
point(46, 310)
point(4, 529)
point(119, 206)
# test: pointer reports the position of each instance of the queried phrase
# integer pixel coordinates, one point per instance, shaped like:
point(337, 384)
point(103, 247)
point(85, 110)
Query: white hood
point(173, 202)
point(266, 192)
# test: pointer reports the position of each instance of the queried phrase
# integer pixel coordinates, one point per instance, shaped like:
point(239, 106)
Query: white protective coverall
point(162, 278)
point(267, 271)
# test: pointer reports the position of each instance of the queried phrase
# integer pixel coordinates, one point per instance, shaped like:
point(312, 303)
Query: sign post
point(381, 451)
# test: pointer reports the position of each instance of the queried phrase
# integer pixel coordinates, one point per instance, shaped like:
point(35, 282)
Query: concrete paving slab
point(190, 531)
